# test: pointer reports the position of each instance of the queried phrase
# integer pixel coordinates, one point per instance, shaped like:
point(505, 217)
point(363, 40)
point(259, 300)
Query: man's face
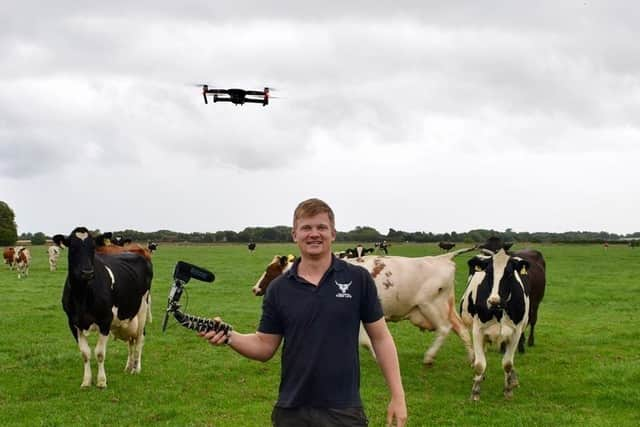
point(314, 235)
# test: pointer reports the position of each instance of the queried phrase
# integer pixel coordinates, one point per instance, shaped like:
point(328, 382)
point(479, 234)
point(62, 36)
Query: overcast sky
point(414, 115)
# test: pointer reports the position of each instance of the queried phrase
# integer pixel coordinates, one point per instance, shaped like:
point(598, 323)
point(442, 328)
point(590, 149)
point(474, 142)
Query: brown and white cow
point(420, 290)
point(22, 261)
point(9, 255)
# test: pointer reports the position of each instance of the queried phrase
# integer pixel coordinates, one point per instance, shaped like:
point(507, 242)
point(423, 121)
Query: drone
point(237, 96)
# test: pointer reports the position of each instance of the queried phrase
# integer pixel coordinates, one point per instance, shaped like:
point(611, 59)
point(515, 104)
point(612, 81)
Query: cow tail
point(452, 255)
point(149, 317)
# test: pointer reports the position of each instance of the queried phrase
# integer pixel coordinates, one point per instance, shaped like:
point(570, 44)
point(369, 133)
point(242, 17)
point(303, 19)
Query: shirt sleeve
point(370, 308)
point(270, 322)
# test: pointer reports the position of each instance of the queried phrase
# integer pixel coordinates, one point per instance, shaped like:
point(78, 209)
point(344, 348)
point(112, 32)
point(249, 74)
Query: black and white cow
point(109, 293)
point(358, 252)
point(496, 307)
point(536, 280)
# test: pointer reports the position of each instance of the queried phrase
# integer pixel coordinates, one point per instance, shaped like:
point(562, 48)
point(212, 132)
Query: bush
point(38, 239)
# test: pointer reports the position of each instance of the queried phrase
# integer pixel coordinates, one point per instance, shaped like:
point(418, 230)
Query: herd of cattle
point(504, 291)
point(108, 288)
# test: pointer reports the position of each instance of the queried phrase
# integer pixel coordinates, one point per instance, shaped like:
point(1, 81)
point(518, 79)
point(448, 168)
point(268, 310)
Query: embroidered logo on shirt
point(344, 287)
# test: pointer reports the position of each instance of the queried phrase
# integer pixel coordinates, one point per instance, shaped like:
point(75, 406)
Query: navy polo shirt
point(320, 326)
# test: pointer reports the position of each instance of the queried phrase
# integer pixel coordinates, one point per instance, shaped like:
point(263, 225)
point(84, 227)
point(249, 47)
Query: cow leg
point(136, 343)
point(85, 350)
point(365, 341)
point(510, 376)
point(130, 356)
point(134, 359)
point(521, 348)
point(137, 353)
point(533, 319)
point(460, 330)
point(441, 335)
point(479, 361)
point(101, 352)
point(440, 326)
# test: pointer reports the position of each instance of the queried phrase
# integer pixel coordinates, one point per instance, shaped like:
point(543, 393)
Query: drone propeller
point(205, 87)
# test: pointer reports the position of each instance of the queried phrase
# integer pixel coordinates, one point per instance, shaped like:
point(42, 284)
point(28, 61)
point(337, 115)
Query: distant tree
point(397, 235)
point(25, 236)
point(8, 227)
point(364, 234)
point(38, 239)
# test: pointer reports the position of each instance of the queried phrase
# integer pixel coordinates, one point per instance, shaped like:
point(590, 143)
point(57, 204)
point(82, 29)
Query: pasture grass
point(584, 369)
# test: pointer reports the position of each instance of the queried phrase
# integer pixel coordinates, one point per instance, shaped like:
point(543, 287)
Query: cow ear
point(59, 240)
point(477, 264)
point(522, 266)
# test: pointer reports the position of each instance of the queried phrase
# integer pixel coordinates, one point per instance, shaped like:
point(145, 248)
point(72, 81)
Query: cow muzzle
point(87, 274)
point(493, 301)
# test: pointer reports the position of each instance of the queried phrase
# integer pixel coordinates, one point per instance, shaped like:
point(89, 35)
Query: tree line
point(282, 233)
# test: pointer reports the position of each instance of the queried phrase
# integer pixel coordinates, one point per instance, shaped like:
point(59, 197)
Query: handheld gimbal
point(182, 273)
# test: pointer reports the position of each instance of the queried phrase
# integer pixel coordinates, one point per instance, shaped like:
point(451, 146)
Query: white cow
point(54, 254)
point(420, 290)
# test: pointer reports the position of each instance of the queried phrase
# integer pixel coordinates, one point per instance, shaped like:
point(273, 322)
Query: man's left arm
point(387, 358)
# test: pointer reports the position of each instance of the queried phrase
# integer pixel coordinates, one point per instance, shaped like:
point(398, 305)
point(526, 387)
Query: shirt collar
point(336, 264)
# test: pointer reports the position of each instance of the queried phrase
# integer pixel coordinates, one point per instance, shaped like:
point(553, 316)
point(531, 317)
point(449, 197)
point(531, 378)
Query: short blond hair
point(313, 207)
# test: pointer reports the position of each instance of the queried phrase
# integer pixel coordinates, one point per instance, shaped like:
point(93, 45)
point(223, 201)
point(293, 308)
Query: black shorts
point(306, 416)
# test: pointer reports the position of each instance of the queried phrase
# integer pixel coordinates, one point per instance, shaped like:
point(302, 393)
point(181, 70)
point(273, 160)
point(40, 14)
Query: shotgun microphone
point(182, 273)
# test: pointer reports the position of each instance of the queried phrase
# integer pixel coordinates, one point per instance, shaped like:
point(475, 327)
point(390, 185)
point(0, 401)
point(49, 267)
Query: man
point(317, 307)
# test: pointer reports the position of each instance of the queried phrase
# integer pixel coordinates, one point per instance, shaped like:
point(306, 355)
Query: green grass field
point(583, 371)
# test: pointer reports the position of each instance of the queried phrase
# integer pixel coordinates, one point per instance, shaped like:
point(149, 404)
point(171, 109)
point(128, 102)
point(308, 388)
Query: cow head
point(493, 244)
point(82, 250)
point(104, 239)
point(501, 271)
point(58, 240)
point(276, 267)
